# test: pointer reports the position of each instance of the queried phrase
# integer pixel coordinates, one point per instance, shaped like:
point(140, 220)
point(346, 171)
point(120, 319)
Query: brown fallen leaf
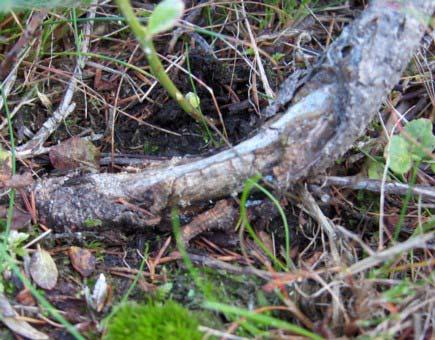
point(20, 327)
point(43, 269)
point(75, 153)
point(24, 297)
point(82, 260)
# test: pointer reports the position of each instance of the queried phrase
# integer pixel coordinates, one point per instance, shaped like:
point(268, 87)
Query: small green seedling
point(164, 17)
point(413, 146)
point(278, 56)
point(16, 242)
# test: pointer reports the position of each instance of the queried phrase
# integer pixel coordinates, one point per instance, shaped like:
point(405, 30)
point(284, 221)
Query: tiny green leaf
point(278, 56)
point(400, 158)
point(165, 15)
point(375, 170)
point(421, 131)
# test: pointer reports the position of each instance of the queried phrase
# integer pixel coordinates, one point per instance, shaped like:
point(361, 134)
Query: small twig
point(24, 101)
point(224, 335)
point(194, 14)
point(35, 145)
point(37, 239)
point(313, 208)
point(32, 29)
point(9, 82)
point(269, 92)
point(371, 261)
point(427, 192)
point(356, 238)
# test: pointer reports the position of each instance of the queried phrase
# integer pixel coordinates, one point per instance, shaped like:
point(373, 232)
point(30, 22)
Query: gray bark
point(327, 113)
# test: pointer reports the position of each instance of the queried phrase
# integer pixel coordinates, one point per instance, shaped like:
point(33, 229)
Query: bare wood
point(333, 107)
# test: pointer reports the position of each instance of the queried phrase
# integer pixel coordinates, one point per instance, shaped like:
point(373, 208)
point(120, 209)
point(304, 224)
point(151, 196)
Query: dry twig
point(36, 145)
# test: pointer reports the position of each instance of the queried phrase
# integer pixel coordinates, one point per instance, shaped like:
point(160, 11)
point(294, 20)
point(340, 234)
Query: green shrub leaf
point(400, 158)
point(165, 15)
point(421, 131)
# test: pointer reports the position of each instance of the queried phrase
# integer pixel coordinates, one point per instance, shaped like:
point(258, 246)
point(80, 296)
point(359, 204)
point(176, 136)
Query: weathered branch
point(425, 191)
point(327, 114)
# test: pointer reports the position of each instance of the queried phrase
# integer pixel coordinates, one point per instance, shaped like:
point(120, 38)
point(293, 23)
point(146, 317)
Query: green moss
point(170, 321)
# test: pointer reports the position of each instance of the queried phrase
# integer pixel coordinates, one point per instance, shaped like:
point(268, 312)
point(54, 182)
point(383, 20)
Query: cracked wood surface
point(327, 113)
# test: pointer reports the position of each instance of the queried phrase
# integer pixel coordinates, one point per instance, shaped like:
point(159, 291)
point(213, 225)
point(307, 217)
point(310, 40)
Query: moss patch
point(151, 321)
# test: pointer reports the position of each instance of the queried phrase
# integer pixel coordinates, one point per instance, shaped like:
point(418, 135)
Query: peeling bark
point(327, 113)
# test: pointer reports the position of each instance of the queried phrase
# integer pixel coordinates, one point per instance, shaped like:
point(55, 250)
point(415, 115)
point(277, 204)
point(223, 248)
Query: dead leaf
point(20, 327)
point(43, 269)
point(75, 153)
point(24, 297)
point(44, 100)
point(5, 165)
point(82, 261)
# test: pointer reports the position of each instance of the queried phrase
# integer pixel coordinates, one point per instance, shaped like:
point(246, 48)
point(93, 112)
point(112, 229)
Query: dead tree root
point(327, 113)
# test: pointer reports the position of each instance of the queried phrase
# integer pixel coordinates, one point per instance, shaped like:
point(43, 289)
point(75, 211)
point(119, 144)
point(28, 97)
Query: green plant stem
point(249, 185)
point(157, 69)
point(405, 204)
point(5, 259)
point(284, 221)
point(10, 214)
point(199, 282)
point(209, 135)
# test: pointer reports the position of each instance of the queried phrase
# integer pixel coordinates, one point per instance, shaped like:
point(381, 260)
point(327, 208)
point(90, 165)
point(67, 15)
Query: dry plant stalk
point(333, 107)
